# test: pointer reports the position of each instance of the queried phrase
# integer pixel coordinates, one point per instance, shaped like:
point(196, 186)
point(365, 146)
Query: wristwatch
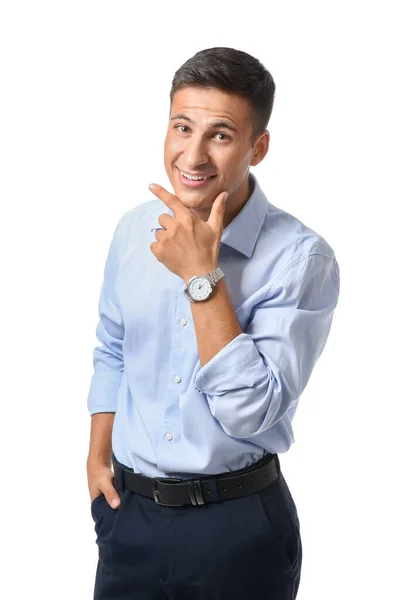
point(200, 287)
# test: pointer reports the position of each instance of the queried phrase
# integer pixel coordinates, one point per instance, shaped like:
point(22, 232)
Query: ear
point(260, 148)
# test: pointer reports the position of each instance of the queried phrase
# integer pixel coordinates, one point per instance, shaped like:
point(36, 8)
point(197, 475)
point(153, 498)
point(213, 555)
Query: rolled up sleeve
point(252, 382)
point(108, 356)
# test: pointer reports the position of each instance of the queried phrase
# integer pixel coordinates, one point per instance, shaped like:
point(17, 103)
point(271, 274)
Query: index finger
point(169, 200)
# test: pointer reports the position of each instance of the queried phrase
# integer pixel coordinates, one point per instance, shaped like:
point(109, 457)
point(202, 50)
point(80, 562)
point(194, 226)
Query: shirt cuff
point(235, 366)
point(103, 392)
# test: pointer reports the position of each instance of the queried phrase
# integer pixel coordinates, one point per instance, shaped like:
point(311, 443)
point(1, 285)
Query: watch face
point(200, 288)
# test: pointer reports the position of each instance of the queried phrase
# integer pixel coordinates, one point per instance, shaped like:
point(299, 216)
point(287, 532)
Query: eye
point(179, 126)
point(226, 137)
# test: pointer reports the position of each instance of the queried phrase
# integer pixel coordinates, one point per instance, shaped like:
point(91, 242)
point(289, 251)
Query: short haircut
point(231, 71)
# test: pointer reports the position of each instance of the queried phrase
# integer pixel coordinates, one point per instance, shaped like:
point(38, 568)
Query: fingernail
point(151, 185)
point(114, 503)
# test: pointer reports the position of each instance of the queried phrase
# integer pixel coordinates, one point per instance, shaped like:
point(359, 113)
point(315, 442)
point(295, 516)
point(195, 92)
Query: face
point(209, 134)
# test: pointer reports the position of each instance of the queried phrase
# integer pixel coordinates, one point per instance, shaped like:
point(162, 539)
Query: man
point(213, 314)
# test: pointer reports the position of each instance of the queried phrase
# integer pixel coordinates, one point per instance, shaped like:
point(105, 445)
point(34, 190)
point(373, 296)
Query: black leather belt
point(214, 488)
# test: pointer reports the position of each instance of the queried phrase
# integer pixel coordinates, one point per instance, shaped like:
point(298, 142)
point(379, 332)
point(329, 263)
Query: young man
point(213, 314)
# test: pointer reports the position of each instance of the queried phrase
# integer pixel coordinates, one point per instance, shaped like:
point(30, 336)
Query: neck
point(236, 202)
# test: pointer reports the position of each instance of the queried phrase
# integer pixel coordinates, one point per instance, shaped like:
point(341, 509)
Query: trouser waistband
point(198, 491)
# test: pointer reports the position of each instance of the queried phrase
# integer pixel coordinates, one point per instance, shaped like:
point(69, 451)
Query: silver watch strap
point(215, 276)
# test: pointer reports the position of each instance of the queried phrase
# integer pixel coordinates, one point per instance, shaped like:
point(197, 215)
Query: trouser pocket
point(281, 519)
point(104, 517)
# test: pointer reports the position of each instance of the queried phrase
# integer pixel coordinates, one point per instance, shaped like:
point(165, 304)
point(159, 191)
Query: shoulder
point(293, 246)
point(292, 237)
point(286, 230)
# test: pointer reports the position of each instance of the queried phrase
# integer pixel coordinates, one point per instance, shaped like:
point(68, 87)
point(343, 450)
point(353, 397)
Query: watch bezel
point(192, 280)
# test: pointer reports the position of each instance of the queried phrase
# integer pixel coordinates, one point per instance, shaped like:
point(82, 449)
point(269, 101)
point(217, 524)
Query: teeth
point(194, 177)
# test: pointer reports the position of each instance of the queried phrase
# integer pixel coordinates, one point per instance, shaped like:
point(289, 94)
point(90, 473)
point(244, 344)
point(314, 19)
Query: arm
point(99, 460)
point(215, 321)
point(254, 379)
point(100, 449)
point(108, 371)
point(108, 356)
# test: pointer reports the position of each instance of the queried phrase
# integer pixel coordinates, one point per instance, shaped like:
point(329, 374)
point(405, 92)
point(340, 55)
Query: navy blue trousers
point(247, 548)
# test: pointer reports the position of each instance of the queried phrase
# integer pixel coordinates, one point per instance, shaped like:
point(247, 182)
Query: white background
point(84, 109)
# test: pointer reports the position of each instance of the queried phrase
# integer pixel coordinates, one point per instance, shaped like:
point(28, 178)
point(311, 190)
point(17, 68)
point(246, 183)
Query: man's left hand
point(188, 246)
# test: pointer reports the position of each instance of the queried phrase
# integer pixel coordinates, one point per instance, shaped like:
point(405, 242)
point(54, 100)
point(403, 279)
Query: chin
point(188, 193)
point(190, 198)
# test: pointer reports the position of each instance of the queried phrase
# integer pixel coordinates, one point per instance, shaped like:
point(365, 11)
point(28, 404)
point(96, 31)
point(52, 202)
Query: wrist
point(200, 270)
point(99, 460)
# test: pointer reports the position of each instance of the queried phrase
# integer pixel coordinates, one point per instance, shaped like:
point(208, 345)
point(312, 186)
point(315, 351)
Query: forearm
point(215, 322)
point(100, 449)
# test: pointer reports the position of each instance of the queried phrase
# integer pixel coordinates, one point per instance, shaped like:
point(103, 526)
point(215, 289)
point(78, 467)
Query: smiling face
point(209, 134)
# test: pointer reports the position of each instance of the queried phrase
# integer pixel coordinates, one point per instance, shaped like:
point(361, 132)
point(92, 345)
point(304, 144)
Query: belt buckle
point(195, 492)
point(156, 493)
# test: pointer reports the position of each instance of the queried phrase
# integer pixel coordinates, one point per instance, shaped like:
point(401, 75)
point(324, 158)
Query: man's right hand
point(100, 481)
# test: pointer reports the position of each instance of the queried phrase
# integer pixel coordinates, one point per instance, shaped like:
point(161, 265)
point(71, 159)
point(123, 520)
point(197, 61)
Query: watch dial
point(200, 289)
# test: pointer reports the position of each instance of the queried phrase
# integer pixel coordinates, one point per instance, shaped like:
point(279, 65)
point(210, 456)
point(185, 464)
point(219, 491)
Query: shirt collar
point(242, 232)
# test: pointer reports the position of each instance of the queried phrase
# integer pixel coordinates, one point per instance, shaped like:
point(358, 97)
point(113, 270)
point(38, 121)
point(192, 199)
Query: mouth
point(193, 181)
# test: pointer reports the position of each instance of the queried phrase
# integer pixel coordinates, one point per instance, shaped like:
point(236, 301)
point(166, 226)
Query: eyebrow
point(212, 124)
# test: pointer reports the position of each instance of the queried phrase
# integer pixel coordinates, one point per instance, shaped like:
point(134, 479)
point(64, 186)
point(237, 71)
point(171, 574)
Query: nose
point(195, 153)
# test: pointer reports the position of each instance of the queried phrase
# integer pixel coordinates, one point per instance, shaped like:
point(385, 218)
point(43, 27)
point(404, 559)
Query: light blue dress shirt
point(173, 417)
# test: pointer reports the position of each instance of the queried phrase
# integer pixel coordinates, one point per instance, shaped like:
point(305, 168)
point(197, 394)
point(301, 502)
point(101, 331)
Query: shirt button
point(177, 378)
point(168, 436)
point(183, 321)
